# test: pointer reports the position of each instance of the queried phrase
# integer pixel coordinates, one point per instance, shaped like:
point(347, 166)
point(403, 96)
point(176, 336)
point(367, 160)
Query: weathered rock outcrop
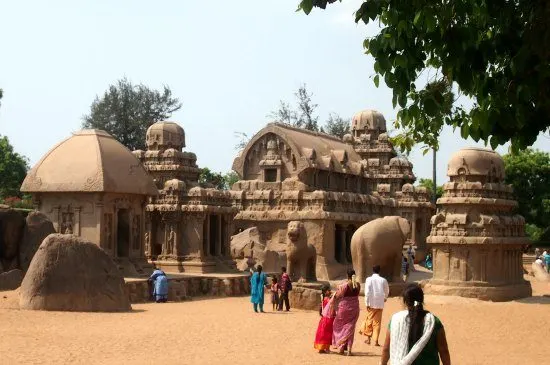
point(37, 227)
point(248, 251)
point(11, 231)
point(68, 273)
point(11, 280)
point(20, 238)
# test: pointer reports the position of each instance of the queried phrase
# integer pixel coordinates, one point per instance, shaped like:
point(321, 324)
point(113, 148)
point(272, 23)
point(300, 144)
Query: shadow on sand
point(537, 299)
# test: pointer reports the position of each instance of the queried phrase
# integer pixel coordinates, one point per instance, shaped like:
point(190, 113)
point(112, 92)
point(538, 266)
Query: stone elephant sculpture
point(380, 242)
point(301, 257)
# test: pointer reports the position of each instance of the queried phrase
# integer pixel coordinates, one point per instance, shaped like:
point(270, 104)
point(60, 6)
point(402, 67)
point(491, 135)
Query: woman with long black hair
point(415, 336)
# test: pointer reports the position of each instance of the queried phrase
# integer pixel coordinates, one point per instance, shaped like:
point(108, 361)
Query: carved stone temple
point(331, 185)
point(476, 237)
point(187, 227)
point(92, 186)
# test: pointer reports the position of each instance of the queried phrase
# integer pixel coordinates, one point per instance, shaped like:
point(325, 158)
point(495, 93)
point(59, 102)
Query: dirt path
point(226, 331)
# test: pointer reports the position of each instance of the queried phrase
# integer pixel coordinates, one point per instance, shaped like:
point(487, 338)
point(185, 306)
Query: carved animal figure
point(380, 242)
point(301, 257)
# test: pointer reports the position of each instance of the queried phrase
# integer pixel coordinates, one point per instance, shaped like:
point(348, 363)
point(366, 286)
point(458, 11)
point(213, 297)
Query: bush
point(17, 202)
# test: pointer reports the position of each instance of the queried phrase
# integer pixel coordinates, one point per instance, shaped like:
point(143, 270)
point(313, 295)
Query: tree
point(1, 94)
point(126, 111)
point(529, 173)
point(13, 169)
point(429, 184)
point(336, 125)
point(494, 52)
point(301, 117)
point(243, 140)
point(230, 179)
point(211, 179)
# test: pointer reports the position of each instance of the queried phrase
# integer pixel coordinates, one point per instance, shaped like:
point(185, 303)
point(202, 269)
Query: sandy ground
point(227, 331)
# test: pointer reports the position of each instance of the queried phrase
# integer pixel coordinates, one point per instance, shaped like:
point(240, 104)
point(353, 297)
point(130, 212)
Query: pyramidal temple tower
point(476, 238)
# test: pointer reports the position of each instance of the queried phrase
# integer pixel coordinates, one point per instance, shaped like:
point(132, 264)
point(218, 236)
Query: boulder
point(12, 224)
point(11, 280)
point(37, 227)
point(305, 296)
point(68, 273)
point(248, 251)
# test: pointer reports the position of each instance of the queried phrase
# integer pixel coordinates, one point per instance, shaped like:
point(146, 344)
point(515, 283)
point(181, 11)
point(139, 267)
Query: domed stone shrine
point(477, 239)
point(92, 186)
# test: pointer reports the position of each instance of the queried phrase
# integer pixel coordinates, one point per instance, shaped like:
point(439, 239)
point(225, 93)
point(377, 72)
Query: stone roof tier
point(473, 161)
point(89, 161)
point(311, 149)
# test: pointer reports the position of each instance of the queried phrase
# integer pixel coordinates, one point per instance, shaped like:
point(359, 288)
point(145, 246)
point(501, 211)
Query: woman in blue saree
point(160, 286)
point(258, 281)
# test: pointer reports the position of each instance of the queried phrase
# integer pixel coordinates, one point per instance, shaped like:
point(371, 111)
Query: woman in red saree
point(323, 337)
point(347, 314)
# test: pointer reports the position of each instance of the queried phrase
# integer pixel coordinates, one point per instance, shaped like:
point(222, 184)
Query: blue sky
point(229, 62)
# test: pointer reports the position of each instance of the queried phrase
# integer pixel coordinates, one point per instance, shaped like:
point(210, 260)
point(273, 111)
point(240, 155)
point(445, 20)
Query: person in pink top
point(285, 286)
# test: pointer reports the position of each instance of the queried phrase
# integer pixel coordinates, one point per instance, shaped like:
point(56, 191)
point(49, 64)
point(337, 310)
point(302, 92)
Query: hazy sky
point(229, 62)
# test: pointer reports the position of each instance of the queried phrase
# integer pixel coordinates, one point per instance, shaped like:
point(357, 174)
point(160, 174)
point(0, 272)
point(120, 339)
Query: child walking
point(274, 293)
point(323, 336)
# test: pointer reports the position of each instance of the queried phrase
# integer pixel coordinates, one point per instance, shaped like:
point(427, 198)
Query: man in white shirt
point(376, 294)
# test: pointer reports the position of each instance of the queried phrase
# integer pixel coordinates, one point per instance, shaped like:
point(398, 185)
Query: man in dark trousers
point(286, 286)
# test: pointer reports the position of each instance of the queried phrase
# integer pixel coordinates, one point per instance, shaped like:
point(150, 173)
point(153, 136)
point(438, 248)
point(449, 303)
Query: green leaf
point(376, 80)
point(401, 61)
point(464, 131)
point(306, 6)
point(417, 18)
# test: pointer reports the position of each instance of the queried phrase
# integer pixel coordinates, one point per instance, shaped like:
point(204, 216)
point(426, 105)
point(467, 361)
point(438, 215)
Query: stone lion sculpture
point(380, 242)
point(301, 257)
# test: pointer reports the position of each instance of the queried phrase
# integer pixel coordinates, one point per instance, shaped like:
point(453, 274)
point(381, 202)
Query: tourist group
point(414, 335)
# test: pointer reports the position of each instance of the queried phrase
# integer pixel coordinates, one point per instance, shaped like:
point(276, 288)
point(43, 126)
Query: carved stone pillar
point(220, 240)
point(76, 228)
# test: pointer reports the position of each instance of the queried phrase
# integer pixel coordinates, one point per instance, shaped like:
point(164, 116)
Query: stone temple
point(187, 227)
point(92, 186)
point(476, 238)
point(331, 185)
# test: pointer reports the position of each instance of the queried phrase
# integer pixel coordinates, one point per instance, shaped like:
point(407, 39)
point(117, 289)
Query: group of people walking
point(414, 336)
point(543, 260)
point(278, 288)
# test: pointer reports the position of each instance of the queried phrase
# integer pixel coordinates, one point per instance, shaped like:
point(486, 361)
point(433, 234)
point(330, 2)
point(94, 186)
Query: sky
point(229, 62)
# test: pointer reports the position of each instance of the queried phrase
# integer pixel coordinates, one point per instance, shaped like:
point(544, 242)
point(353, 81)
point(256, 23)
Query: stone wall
point(185, 288)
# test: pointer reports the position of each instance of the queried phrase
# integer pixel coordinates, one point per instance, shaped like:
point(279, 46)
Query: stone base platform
point(479, 291)
point(187, 286)
point(308, 295)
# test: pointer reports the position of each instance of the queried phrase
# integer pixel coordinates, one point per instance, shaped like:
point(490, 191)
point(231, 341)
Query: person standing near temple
point(159, 283)
point(285, 286)
point(258, 281)
point(377, 291)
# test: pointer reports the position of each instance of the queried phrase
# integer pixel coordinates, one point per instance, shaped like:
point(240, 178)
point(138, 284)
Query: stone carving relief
point(67, 223)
